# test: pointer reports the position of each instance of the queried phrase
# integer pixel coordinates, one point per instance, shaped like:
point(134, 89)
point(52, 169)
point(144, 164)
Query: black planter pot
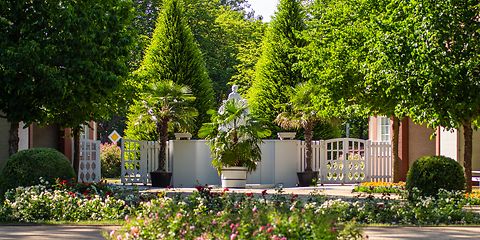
point(160, 178)
point(306, 179)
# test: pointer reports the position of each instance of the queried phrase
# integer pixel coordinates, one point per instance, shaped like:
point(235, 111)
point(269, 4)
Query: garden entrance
point(342, 160)
point(349, 160)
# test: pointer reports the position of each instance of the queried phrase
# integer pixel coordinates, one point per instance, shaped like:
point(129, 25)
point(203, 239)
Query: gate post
point(345, 159)
point(368, 150)
point(323, 161)
point(122, 157)
point(143, 162)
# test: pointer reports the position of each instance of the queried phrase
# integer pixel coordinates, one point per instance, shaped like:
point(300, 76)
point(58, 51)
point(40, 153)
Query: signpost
point(114, 137)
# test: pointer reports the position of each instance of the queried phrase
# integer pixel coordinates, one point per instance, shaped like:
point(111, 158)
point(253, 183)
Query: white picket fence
point(348, 160)
point(90, 164)
point(139, 158)
point(343, 160)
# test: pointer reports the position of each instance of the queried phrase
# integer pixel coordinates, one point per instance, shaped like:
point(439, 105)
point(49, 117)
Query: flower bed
point(208, 215)
point(473, 198)
point(380, 187)
point(63, 201)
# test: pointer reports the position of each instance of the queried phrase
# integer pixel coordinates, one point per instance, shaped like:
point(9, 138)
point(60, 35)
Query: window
point(384, 129)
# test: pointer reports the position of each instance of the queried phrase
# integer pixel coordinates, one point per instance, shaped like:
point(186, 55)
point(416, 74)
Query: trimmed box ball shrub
point(26, 167)
point(111, 160)
point(431, 173)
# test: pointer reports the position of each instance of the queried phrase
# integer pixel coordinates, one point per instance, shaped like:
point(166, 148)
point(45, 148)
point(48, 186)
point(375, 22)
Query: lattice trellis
point(139, 158)
point(90, 166)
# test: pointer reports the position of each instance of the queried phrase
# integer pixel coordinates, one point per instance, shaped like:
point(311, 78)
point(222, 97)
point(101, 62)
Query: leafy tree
point(28, 67)
point(174, 56)
point(92, 62)
point(358, 51)
point(275, 70)
point(246, 36)
point(167, 105)
point(446, 50)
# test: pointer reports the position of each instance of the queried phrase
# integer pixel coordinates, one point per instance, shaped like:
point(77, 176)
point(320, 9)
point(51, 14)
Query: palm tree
point(168, 105)
point(299, 113)
point(234, 136)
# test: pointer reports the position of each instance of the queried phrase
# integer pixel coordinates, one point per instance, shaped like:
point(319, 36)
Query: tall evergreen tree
point(276, 70)
point(174, 55)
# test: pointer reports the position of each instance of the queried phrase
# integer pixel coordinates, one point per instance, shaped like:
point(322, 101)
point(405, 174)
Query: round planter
point(160, 179)
point(306, 179)
point(234, 177)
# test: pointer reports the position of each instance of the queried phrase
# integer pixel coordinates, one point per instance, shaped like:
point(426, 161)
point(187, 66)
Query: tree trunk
point(76, 149)
point(467, 155)
point(308, 146)
point(162, 128)
point(13, 138)
point(396, 171)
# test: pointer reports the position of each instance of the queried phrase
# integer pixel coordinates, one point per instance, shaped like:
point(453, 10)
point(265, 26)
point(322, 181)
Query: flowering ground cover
point(380, 187)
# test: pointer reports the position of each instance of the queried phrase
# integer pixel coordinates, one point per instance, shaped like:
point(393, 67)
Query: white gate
point(348, 160)
point(90, 165)
point(139, 158)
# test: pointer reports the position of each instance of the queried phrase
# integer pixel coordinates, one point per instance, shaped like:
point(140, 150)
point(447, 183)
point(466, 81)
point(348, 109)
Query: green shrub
point(431, 173)
point(111, 160)
point(26, 167)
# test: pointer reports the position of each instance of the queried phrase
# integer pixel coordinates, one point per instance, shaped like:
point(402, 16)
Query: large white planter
point(234, 177)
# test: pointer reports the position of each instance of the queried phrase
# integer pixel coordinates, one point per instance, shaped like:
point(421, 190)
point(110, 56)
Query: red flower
point(63, 182)
point(250, 194)
point(199, 188)
point(264, 192)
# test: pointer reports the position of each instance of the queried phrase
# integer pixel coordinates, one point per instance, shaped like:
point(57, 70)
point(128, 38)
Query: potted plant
point(234, 138)
point(168, 105)
point(300, 112)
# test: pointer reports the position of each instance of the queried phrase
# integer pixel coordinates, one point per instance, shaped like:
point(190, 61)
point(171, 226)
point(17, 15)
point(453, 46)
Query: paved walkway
point(436, 233)
point(81, 232)
point(41, 232)
point(331, 190)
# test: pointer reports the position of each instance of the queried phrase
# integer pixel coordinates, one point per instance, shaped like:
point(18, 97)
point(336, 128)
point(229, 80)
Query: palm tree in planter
point(234, 138)
point(168, 105)
point(301, 112)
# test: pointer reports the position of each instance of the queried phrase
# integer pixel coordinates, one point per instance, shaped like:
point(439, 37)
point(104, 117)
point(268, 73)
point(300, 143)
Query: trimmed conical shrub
point(275, 70)
point(174, 55)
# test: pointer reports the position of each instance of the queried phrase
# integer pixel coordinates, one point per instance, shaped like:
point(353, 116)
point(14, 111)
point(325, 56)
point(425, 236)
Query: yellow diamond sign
point(114, 136)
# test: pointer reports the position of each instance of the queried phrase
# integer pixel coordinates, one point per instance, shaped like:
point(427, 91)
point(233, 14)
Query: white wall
point(23, 136)
point(191, 164)
point(449, 143)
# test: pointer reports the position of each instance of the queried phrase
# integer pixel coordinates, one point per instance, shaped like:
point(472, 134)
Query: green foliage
point(247, 42)
point(234, 136)
point(275, 71)
point(445, 49)
point(92, 60)
point(431, 173)
point(26, 167)
point(174, 56)
point(111, 160)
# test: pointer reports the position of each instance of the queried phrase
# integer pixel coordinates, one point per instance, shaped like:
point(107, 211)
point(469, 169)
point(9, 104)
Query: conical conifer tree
point(174, 55)
point(275, 71)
